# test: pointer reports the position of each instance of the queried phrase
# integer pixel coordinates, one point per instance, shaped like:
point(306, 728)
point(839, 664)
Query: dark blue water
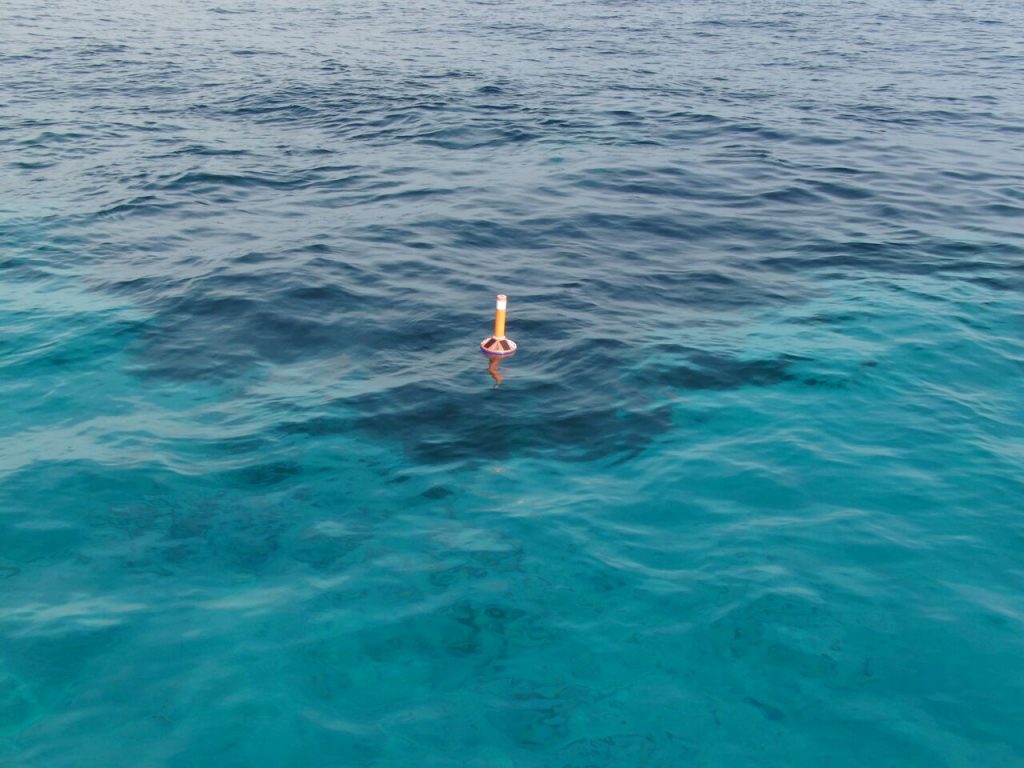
point(749, 494)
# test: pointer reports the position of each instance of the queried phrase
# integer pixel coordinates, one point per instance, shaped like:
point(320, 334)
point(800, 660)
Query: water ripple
point(749, 493)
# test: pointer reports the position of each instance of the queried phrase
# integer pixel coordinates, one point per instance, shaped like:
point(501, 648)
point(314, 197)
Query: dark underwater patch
point(268, 474)
point(437, 492)
point(613, 417)
point(709, 371)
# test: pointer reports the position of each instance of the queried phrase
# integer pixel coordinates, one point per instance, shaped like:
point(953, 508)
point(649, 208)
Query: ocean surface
point(751, 494)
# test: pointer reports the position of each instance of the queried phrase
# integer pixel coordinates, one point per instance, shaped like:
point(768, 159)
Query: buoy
point(496, 345)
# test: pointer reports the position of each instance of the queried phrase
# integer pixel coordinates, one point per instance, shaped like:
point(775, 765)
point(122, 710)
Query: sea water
point(750, 494)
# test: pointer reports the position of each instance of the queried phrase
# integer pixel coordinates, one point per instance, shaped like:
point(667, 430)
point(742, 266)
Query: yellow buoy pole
point(497, 345)
point(500, 309)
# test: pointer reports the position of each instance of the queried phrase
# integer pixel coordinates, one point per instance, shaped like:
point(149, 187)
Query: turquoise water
point(749, 495)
